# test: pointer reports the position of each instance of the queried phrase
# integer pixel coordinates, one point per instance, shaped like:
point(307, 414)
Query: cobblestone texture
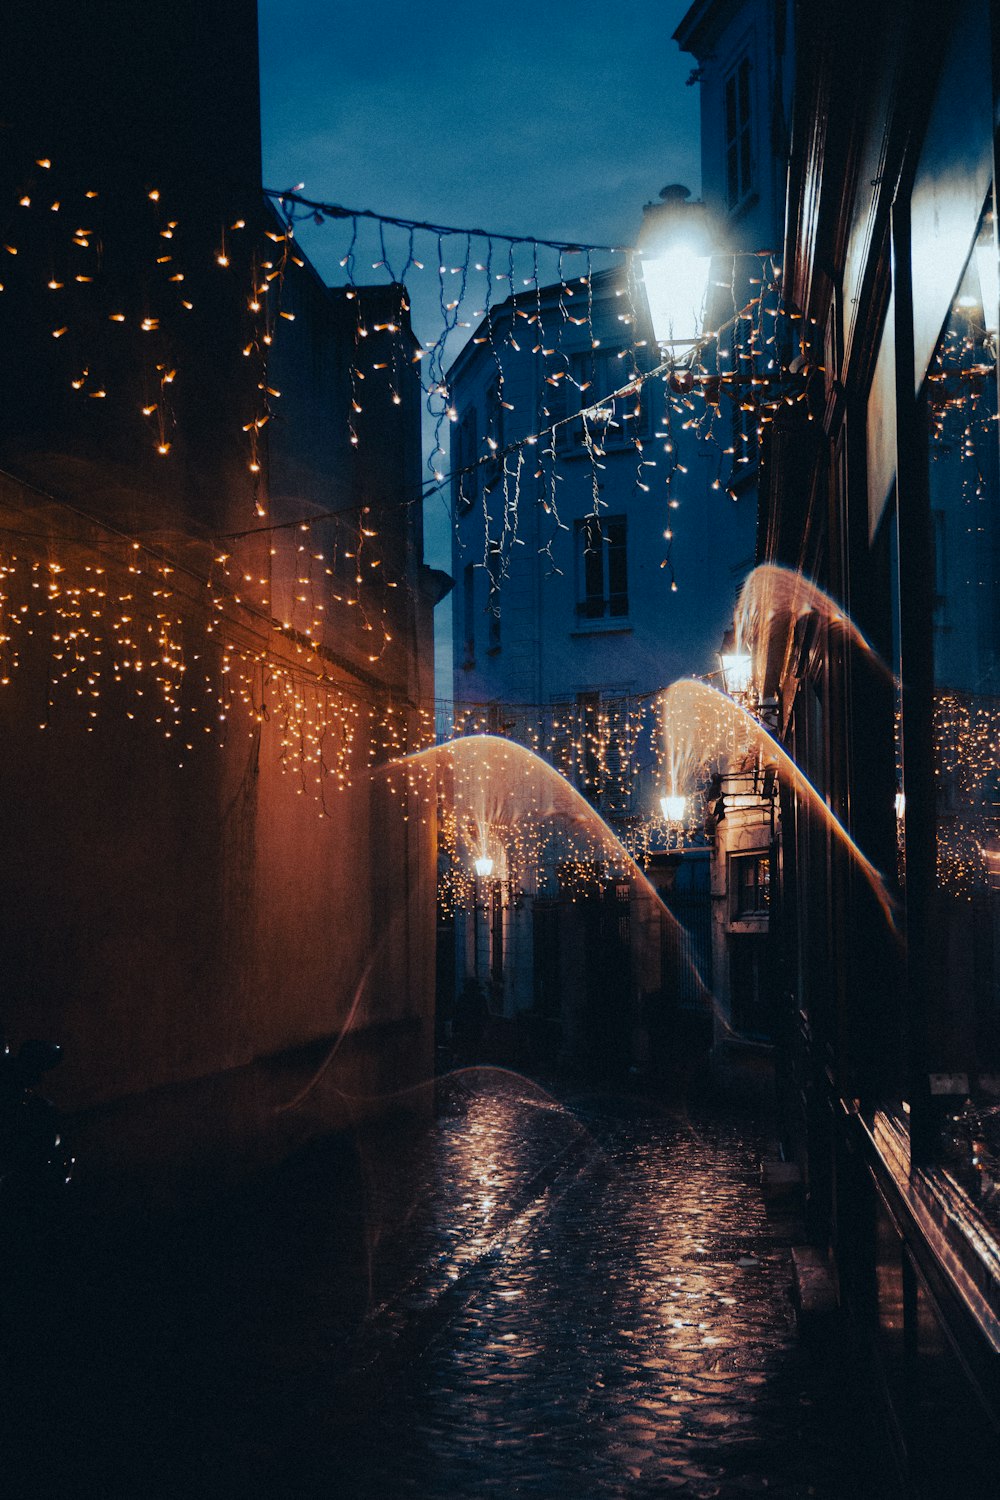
point(532, 1298)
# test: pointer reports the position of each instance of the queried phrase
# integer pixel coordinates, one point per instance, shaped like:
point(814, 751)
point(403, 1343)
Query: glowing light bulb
point(737, 671)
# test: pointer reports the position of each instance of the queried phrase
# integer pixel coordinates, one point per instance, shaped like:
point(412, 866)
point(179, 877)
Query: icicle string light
point(249, 646)
point(468, 263)
point(119, 627)
point(961, 404)
point(74, 232)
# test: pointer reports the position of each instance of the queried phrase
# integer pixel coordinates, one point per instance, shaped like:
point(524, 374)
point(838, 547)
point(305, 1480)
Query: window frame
point(465, 448)
point(739, 158)
point(592, 374)
point(598, 559)
point(743, 862)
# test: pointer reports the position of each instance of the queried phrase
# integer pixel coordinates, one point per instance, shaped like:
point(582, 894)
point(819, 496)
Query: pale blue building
point(566, 582)
point(597, 558)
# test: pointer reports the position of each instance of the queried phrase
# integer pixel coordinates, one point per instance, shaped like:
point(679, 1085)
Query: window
point(960, 409)
point(593, 375)
point(602, 573)
point(464, 454)
point(739, 139)
point(750, 884)
point(623, 906)
point(747, 988)
point(469, 614)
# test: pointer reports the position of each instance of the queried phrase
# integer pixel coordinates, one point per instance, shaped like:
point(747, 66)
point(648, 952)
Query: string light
point(513, 265)
point(962, 406)
point(253, 645)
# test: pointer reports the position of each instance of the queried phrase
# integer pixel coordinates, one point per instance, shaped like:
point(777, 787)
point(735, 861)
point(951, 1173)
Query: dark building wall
point(204, 871)
point(888, 498)
point(175, 90)
point(357, 472)
point(124, 101)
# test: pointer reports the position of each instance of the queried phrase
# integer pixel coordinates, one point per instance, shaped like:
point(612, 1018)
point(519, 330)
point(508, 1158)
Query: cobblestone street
point(536, 1296)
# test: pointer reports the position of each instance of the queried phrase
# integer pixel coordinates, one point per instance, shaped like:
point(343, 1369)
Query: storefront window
point(750, 882)
point(961, 408)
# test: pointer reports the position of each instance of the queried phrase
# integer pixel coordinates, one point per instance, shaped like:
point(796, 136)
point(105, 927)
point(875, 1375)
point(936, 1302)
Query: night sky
point(556, 118)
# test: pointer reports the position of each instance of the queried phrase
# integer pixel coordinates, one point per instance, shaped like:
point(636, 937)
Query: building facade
point(883, 491)
point(616, 577)
point(744, 73)
point(586, 604)
point(217, 620)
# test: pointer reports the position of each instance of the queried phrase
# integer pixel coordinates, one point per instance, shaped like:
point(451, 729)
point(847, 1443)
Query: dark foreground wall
point(207, 885)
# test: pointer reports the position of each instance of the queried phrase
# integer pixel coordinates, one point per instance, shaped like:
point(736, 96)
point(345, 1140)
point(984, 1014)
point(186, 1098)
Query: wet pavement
point(535, 1295)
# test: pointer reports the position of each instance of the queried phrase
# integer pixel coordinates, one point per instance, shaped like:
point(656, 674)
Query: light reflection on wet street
point(532, 1296)
point(603, 1308)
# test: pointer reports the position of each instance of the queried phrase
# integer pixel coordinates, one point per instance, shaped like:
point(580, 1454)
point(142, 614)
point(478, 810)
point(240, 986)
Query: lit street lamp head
point(673, 808)
point(483, 866)
point(737, 672)
point(676, 252)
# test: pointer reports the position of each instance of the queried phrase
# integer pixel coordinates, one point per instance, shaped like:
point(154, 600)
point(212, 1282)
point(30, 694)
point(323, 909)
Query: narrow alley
point(548, 1296)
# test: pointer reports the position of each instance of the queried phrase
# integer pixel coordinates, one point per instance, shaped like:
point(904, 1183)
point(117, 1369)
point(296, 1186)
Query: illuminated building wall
point(744, 73)
point(216, 621)
point(573, 610)
point(578, 628)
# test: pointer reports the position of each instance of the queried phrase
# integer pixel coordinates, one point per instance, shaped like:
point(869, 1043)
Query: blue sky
point(557, 118)
point(554, 118)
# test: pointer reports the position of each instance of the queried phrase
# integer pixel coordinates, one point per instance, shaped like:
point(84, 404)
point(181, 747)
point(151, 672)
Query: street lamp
point(483, 866)
point(673, 808)
point(676, 261)
point(737, 672)
point(737, 666)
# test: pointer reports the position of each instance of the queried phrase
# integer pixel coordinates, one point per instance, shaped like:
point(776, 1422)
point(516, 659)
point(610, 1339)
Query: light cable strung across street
point(338, 211)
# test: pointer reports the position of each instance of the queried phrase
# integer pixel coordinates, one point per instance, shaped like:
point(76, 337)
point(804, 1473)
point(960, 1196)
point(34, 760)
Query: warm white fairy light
point(673, 807)
point(263, 275)
point(301, 622)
